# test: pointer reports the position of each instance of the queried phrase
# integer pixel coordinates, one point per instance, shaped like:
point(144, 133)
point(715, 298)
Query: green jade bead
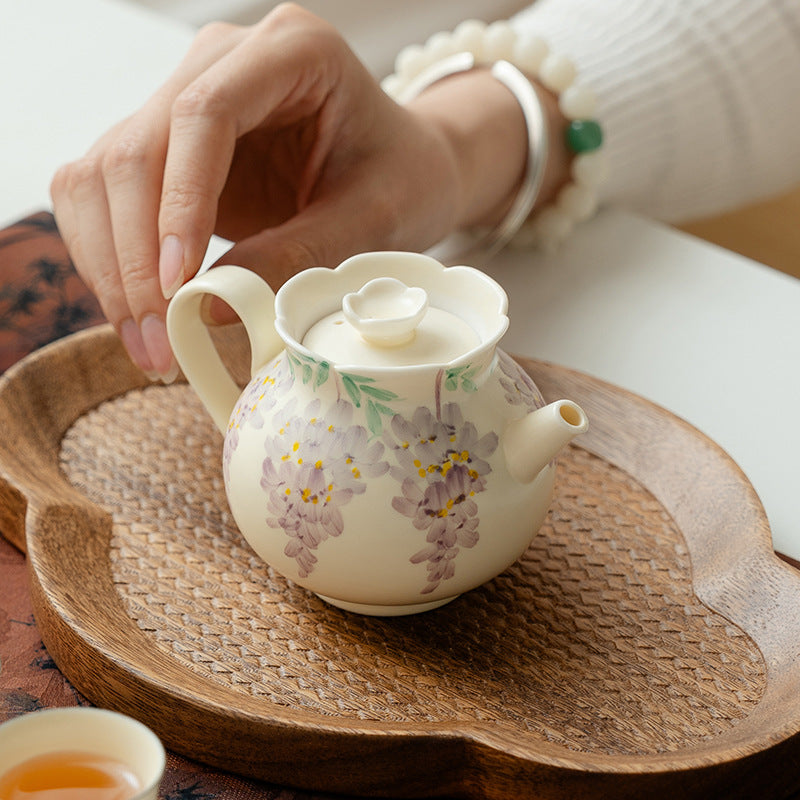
point(584, 135)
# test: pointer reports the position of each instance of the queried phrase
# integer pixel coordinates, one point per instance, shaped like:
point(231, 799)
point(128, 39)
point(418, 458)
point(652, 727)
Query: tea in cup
point(79, 754)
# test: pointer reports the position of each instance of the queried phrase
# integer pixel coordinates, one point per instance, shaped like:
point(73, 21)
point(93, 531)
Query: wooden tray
point(646, 644)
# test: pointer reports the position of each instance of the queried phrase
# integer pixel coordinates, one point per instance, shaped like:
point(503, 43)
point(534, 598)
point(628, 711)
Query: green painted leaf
point(307, 373)
point(322, 373)
point(352, 389)
point(462, 376)
point(389, 412)
point(379, 394)
point(373, 418)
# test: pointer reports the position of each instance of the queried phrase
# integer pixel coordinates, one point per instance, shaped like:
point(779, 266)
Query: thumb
point(322, 235)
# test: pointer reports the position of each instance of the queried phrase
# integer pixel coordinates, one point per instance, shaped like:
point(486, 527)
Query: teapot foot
point(385, 610)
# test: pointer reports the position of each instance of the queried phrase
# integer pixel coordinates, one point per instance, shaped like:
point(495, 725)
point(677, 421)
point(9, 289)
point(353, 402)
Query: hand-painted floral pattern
point(258, 398)
point(361, 389)
point(518, 386)
point(313, 467)
point(319, 458)
point(442, 465)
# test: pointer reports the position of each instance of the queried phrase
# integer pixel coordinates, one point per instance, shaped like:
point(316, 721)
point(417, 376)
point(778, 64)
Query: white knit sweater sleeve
point(699, 99)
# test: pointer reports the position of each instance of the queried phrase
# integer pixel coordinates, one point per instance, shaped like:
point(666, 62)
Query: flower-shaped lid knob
point(385, 311)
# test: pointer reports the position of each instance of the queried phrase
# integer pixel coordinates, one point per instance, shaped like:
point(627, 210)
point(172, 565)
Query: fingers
point(200, 151)
point(106, 207)
point(285, 70)
point(132, 169)
point(83, 218)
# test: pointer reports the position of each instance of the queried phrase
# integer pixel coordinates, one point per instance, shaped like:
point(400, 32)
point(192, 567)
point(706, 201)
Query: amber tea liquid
point(69, 776)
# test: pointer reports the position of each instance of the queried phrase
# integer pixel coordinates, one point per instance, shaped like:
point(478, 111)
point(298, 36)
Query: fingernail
point(170, 376)
point(132, 339)
point(154, 336)
point(170, 265)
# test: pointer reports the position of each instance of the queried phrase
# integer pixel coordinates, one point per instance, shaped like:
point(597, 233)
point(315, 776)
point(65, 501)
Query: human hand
point(275, 137)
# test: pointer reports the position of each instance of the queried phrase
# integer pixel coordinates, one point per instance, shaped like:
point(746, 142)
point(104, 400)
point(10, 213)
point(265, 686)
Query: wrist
point(483, 130)
point(561, 113)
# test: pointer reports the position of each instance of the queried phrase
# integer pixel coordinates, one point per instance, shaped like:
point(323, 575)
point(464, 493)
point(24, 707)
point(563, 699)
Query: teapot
point(386, 454)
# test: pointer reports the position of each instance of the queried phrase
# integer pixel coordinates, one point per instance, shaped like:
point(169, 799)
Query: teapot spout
point(532, 442)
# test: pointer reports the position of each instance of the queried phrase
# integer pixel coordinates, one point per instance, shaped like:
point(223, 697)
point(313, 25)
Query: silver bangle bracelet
point(538, 147)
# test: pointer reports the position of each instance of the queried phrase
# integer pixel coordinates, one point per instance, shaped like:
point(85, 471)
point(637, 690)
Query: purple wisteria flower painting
point(518, 385)
point(319, 455)
point(313, 467)
point(442, 465)
point(259, 397)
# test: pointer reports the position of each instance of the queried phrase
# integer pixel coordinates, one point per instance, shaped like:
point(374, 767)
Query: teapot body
point(385, 454)
point(383, 491)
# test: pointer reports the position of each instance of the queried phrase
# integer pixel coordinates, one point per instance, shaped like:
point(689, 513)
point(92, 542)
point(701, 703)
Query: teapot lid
point(387, 323)
point(392, 310)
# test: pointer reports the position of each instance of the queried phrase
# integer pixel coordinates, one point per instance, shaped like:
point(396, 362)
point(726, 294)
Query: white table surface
point(709, 335)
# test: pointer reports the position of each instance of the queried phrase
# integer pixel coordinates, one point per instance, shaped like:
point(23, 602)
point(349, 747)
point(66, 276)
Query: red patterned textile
point(41, 299)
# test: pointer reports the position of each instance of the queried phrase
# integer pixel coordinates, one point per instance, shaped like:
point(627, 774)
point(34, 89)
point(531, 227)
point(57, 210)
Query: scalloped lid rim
point(465, 292)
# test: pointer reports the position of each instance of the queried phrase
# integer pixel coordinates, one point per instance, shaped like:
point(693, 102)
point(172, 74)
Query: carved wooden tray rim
point(34, 495)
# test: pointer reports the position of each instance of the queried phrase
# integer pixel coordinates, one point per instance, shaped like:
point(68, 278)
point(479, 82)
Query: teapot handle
point(254, 301)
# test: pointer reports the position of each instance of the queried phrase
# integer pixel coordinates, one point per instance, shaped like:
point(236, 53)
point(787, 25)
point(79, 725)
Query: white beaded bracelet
point(417, 66)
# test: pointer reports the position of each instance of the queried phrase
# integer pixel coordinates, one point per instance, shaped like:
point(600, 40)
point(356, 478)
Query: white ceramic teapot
point(386, 454)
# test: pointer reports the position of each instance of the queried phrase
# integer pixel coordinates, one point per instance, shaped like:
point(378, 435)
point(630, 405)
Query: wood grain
point(647, 642)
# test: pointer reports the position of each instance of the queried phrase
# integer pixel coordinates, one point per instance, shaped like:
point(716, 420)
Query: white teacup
point(90, 731)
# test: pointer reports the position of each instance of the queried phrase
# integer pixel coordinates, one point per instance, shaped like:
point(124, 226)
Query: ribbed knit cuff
point(697, 99)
